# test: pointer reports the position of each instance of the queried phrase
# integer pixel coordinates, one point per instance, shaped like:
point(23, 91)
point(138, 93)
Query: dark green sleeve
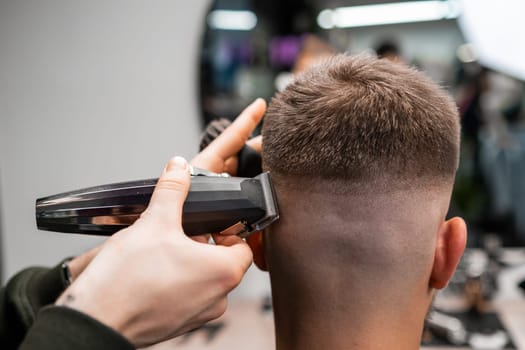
point(62, 328)
point(24, 295)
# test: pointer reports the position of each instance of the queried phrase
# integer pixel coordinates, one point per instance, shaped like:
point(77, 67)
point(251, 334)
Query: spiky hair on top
point(359, 118)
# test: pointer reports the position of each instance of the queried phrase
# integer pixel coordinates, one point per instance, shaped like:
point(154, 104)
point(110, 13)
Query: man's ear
point(451, 241)
point(255, 241)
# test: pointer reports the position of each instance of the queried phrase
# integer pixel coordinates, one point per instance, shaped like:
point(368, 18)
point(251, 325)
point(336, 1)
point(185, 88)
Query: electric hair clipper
point(215, 203)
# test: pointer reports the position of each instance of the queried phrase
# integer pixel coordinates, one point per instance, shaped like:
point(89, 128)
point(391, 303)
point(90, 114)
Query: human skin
point(150, 282)
point(220, 156)
point(365, 281)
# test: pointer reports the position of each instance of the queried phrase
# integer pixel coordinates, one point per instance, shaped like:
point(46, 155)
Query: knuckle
point(172, 184)
point(232, 276)
point(219, 309)
point(223, 305)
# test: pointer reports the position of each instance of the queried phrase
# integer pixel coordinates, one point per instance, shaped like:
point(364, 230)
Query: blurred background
point(106, 91)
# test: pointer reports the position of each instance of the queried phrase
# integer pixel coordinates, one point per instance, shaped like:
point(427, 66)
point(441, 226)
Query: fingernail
point(177, 162)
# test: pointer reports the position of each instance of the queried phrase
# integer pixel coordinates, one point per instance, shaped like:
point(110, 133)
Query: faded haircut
point(362, 119)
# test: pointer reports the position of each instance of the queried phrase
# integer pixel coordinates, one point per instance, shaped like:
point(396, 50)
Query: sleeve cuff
point(61, 328)
point(32, 289)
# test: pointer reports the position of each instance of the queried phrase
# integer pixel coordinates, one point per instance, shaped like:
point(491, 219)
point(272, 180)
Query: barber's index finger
point(233, 138)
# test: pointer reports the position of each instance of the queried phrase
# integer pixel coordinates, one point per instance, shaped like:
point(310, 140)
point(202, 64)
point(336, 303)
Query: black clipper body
point(215, 203)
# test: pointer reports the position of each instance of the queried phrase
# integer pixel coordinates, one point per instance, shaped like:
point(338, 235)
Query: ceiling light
point(232, 20)
point(391, 13)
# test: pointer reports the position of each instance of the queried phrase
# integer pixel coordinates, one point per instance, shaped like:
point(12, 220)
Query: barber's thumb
point(171, 192)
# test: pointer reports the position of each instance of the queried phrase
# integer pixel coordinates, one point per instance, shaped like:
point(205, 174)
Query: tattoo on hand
point(67, 299)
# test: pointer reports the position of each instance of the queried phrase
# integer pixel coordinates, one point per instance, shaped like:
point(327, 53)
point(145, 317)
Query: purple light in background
point(284, 50)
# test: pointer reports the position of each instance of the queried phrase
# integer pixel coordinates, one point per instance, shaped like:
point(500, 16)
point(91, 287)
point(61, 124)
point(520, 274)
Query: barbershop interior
point(105, 92)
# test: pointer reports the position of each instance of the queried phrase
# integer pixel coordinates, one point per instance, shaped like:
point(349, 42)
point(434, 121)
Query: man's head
point(363, 154)
point(349, 117)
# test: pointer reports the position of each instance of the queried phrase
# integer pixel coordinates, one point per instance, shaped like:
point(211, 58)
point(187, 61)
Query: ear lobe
point(451, 241)
point(255, 241)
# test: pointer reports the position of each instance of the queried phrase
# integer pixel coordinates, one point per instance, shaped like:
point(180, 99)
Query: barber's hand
point(221, 155)
point(150, 282)
point(80, 262)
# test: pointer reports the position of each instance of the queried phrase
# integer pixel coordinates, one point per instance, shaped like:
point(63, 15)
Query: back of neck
point(321, 321)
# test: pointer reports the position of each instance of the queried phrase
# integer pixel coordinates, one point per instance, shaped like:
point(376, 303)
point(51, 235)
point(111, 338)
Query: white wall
point(91, 92)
